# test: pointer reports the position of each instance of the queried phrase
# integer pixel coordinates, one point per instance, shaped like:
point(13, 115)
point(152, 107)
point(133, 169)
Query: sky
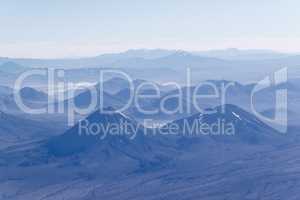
point(77, 28)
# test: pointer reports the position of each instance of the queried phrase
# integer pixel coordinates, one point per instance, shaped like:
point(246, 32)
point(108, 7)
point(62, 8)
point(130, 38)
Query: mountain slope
point(227, 123)
point(117, 137)
point(18, 129)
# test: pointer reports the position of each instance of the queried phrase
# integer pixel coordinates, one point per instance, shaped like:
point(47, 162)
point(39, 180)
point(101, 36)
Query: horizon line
point(152, 49)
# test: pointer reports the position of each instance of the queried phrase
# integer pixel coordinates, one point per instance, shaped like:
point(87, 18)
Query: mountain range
point(147, 54)
point(157, 65)
point(75, 159)
point(224, 151)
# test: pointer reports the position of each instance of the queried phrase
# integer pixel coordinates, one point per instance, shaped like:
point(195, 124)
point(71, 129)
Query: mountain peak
point(100, 128)
point(243, 126)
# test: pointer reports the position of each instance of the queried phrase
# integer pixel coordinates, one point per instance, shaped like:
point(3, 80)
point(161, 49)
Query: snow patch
point(123, 115)
point(236, 115)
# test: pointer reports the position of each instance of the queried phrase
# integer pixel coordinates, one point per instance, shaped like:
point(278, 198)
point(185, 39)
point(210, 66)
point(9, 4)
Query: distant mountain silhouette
point(238, 54)
point(114, 85)
point(32, 94)
point(150, 54)
point(11, 67)
point(248, 65)
point(31, 98)
point(84, 99)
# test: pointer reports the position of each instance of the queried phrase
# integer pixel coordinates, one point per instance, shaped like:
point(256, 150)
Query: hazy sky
point(68, 28)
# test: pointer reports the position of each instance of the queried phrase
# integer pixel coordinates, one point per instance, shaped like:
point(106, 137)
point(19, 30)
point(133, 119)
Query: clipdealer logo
point(280, 120)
